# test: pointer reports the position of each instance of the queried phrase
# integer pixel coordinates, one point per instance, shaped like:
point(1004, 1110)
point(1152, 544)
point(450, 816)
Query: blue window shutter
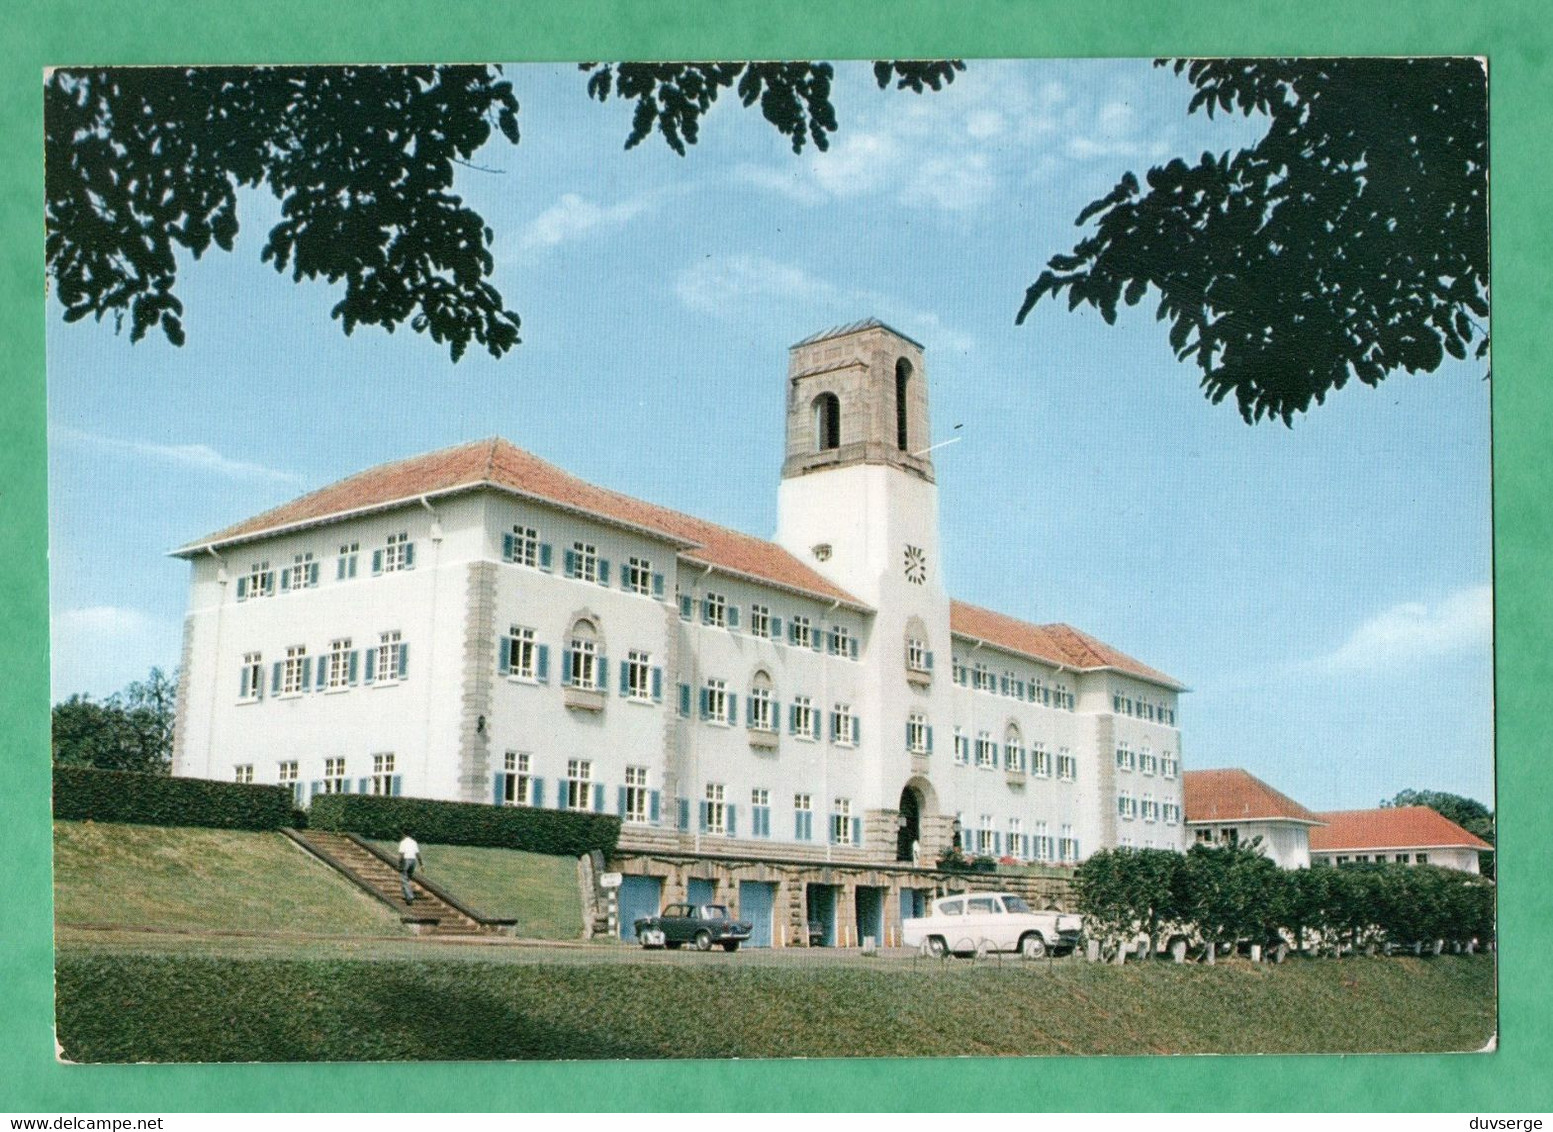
point(307, 673)
point(371, 665)
point(504, 656)
point(733, 617)
point(598, 798)
point(684, 607)
point(601, 672)
point(852, 648)
point(566, 667)
point(542, 666)
point(603, 571)
point(409, 556)
point(285, 580)
point(703, 817)
point(908, 734)
point(857, 831)
point(830, 832)
point(352, 570)
point(323, 674)
point(377, 561)
point(733, 820)
point(706, 611)
point(243, 689)
point(560, 793)
point(684, 699)
point(857, 730)
point(684, 813)
point(776, 715)
point(570, 560)
point(509, 547)
point(544, 556)
point(776, 628)
point(1003, 684)
point(832, 726)
point(499, 784)
point(404, 661)
point(930, 740)
point(537, 787)
point(355, 664)
point(816, 643)
point(317, 789)
point(364, 786)
point(312, 574)
point(792, 719)
point(625, 677)
point(394, 785)
point(657, 586)
point(625, 578)
point(733, 709)
point(620, 801)
point(652, 807)
point(242, 589)
point(792, 634)
point(339, 569)
point(749, 711)
point(657, 685)
point(929, 661)
point(706, 706)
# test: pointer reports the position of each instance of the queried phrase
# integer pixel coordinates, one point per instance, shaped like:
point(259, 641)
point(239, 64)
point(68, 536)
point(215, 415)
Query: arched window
point(902, 379)
point(583, 663)
point(827, 422)
point(1013, 750)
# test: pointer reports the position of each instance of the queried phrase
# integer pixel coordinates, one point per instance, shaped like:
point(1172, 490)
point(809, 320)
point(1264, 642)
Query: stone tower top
point(857, 394)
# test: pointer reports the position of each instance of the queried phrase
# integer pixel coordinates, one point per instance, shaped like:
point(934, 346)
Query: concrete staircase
point(434, 911)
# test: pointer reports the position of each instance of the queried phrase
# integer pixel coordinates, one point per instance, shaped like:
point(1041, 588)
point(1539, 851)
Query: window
point(295, 671)
point(986, 751)
point(638, 681)
point(1064, 698)
point(760, 621)
point(1040, 761)
point(1172, 813)
point(1040, 693)
point(960, 673)
point(1148, 762)
point(1124, 758)
point(902, 383)
point(579, 784)
point(800, 632)
point(345, 563)
point(250, 685)
point(716, 702)
point(1204, 837)
point(1126, 807)
point(1149, 808)
point(582, 562)
point(288, 777)
point(383, 774)
point(302, 574)
point(1067, 766)
point(1169, 765)
point(962, 747)
point(342, 663)
point(917, 655)
point(243, 773)
point(1420, 858)
point(986, 838)
point(841, 821)
point(760, 812)
point(1013, 752)
point(258, 582)
point(518, 779)
point(637, 576)
point(802, 721)
point(392, 653)
point(522, 655)
point(917, 733)
point(580, 666)
point(981, 677)
point(762, 716)
point(1067, 845)
point(1015, 846)
point(803, 818)
point(715, 810)
point(842, 643)
point(397, 554)
point(334, 776)
point(843, 726)
point(827, 422)
point(1041, 843)
point(635, 807)
point(521, 547)
point(714, 610)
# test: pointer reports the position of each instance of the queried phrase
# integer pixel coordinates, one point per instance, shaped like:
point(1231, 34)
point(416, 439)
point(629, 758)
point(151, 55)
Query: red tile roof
point(1061, 645)
point(495, 463)
point(1393, 827)
point(1234, 795)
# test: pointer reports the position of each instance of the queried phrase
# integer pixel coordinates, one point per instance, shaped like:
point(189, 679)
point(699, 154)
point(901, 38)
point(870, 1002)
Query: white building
point(1232, 807)
point(475, 624)
point(1413, 835)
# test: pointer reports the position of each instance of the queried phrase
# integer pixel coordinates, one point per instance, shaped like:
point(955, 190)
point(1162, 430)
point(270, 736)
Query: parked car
point(699, 924)
point(973, 922)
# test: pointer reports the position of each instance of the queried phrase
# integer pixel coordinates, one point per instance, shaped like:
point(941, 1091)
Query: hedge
point(87, 794)
point(560, 833)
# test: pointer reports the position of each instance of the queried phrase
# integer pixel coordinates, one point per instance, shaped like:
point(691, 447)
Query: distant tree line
point(130, 730)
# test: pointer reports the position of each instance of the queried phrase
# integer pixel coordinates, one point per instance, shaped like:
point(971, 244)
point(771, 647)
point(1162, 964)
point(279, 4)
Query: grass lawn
point(444, 1002)
point(540, 891)
point(155, 876)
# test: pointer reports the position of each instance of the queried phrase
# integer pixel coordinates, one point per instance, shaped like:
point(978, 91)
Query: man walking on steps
point(409, 857)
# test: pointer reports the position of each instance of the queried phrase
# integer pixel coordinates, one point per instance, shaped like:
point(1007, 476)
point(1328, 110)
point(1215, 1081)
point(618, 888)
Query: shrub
point(86, 794)
point(1124, 892)
point(561, 833)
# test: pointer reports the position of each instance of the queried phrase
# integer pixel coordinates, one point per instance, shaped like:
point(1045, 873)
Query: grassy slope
point(540, 891)
point(153, 876)
point(139, 1006)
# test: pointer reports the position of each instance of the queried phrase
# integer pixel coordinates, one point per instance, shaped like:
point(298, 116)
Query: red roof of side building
point(1061, 645)
point(1393, 827)
point(1234, 795)
point(503, 466)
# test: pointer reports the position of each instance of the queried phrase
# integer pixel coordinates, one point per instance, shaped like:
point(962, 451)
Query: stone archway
point(910, 827)
point(918, 827)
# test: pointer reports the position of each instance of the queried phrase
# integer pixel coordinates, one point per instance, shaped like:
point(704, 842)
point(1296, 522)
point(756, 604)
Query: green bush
point(561, 833)
point(85, 794)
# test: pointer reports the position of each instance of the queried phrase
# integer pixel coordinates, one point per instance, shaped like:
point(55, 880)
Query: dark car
point(700, 924)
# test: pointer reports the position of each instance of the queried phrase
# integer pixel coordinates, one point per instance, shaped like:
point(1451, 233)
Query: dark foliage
point(1472, 815)
point(1350, 242)
point(793, 96)
point(556, 832)
point(83, 794)
point(130, 730)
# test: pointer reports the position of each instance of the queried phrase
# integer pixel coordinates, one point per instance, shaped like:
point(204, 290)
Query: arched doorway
point(910, 825)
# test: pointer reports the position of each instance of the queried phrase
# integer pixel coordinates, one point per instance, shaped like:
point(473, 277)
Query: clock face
point(916, 565)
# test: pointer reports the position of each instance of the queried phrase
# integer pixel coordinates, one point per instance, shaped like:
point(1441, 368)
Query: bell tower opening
point(827, 422)
point(902, 380)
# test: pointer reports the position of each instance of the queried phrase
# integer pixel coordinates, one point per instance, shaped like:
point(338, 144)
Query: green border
point(1514, 35)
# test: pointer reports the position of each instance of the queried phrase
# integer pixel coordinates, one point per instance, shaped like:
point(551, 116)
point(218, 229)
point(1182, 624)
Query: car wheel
point(731, 945)
point(1032, 946)
point(703, 940)
point(936, 947)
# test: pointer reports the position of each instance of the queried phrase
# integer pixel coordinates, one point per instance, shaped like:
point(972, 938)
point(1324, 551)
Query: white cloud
point(98, 649)
point(739, 285)
point(573, 217)
point(101, 620)
point(200, 457)
point(1416, 631)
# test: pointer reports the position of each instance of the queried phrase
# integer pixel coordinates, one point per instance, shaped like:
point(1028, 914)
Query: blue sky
point(1323, 590)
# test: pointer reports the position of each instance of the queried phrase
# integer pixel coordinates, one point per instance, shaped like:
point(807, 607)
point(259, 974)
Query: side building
point(805, 724)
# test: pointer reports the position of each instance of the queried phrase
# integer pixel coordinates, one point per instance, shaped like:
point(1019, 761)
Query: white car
point(977, 922)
